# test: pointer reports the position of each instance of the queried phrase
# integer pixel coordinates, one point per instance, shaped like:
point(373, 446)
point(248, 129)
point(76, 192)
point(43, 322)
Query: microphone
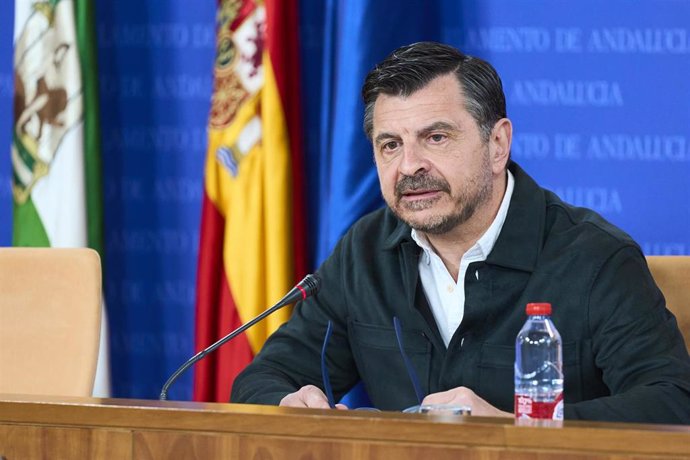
point(305, 288)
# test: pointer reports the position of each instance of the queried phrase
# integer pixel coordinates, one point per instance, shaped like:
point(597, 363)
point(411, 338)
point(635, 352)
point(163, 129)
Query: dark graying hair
point(412, 67)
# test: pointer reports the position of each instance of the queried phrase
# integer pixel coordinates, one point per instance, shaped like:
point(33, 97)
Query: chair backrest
point(672, 275)
point(50, 318)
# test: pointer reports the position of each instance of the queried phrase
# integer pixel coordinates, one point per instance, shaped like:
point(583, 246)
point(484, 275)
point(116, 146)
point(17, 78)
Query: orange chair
point(50, 319)
point(672, 275)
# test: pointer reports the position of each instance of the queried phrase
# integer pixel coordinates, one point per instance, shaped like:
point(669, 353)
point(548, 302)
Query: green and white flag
point(56, 139)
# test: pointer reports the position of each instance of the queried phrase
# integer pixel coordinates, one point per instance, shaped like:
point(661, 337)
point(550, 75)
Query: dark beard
point(478, 192)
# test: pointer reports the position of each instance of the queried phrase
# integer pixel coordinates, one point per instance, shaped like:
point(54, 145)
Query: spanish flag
point(252, 229)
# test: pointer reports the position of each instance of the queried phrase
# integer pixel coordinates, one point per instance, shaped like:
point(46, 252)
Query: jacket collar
point(519, 243)
point(400, 234)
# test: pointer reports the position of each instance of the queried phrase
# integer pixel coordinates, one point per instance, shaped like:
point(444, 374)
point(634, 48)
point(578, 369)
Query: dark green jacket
point(624, 357)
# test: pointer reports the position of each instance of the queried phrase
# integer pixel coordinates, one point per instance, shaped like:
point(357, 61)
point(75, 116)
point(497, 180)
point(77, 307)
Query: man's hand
point(463, 396)
point(308, 396)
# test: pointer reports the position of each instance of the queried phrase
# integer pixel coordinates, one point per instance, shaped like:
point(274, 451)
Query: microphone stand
point(308, 286)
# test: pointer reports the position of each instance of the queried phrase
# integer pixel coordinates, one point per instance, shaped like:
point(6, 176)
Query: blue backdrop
point(599, 93)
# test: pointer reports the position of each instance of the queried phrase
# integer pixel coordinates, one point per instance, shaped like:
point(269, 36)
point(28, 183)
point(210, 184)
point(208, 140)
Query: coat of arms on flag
point(48, 97)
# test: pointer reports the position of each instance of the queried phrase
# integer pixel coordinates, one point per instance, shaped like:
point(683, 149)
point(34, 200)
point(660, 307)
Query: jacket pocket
point(382, 367)
point(496, 375)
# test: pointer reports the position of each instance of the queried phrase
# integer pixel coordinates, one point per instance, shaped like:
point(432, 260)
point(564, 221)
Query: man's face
point(433, 166)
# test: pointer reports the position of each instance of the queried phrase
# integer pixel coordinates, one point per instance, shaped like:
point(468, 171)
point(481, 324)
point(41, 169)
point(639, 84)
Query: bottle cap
point(538, 308)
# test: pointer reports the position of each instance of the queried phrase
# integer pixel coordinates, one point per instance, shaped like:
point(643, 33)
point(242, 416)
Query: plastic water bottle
point(538, 367)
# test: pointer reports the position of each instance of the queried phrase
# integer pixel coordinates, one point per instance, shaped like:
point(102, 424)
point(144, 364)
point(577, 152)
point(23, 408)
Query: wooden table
point(41, 427)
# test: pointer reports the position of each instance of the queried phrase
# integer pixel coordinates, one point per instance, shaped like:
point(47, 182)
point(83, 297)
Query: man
point(466, 241)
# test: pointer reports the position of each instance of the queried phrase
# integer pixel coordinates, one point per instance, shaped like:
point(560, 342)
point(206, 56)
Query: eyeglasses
point(324, 367)
point(406, 360)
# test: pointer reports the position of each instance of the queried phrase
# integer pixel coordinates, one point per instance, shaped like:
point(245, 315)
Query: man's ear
point(499, 145)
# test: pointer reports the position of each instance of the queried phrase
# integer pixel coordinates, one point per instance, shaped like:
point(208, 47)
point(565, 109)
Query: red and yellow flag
point(252, 230)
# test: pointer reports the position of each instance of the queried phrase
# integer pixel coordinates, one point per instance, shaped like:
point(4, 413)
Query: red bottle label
point(526, 407)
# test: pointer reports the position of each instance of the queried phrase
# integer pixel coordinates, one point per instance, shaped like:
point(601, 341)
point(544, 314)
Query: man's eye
point(437, 137)
point(388, 146)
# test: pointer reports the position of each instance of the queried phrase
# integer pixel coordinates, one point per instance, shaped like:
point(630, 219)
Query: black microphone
point(305, 288)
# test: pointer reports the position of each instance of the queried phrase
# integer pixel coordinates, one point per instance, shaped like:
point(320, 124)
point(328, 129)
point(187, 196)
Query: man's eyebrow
point(384, 136)
point(437, 125)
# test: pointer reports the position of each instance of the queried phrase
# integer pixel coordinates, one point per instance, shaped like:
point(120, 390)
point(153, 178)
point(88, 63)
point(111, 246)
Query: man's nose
point(413, 160)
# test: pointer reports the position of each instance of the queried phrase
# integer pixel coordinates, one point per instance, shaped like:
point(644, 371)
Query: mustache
point(420, 182)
